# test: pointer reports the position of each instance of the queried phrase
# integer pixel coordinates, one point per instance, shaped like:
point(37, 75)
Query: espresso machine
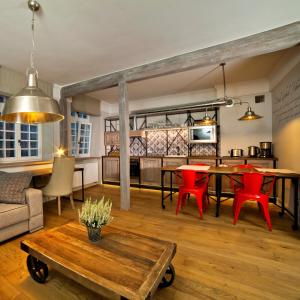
point(265, 149)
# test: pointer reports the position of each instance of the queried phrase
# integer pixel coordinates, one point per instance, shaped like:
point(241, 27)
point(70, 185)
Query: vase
point(94, 234)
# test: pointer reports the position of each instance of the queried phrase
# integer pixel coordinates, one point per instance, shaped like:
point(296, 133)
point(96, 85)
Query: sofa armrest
point(34, 199)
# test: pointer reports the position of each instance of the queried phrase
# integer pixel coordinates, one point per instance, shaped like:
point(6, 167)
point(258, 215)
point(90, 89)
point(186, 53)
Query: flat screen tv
point(202, 134)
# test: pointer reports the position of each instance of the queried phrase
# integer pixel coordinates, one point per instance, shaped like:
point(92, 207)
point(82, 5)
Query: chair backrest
point(61, 181)
point(253, 182)
point(247, 166)
point(189, 178)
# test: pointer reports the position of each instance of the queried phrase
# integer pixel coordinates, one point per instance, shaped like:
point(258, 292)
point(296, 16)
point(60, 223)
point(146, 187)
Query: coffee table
point(125, 263)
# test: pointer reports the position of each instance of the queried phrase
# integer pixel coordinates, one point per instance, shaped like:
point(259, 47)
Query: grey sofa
point(19, 218)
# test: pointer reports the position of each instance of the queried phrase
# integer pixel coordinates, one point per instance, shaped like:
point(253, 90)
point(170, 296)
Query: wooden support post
point(124, 146)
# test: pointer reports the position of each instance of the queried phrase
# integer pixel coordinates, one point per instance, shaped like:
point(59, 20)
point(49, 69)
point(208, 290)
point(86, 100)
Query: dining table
point(220, 171)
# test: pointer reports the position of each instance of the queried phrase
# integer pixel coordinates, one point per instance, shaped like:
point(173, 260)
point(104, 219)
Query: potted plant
point(95, 214)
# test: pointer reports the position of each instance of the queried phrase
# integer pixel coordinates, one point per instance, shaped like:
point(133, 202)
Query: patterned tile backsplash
point(157, 142)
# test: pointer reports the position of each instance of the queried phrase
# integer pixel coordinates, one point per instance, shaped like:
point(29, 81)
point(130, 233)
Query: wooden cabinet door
point(150, 171)
point(111, 169)
point(167, 161)
point(112, 138)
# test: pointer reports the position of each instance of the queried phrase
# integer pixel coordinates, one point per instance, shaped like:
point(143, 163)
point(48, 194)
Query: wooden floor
point(214, 260)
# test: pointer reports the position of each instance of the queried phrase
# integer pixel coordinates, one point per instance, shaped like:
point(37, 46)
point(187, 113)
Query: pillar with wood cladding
point(124, 146)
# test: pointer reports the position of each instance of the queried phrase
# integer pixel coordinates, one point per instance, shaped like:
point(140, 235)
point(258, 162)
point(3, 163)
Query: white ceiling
point(78, 39)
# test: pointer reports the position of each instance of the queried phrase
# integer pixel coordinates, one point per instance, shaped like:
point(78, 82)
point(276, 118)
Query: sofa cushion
point(12, 186)
point(12, 214)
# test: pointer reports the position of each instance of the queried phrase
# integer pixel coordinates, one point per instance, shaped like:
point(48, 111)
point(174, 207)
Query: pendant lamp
point(207, 120)
point(249, 115)
point(31, 105)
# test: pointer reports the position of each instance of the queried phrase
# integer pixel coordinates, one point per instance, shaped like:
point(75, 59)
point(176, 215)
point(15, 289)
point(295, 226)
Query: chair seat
point(243, 196)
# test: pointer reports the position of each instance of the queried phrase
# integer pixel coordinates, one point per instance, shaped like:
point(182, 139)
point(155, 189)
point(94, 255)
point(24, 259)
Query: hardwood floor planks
point(214, 260)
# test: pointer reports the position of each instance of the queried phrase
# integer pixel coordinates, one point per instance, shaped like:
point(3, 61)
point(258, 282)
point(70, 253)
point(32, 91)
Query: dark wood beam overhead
point(261, 43)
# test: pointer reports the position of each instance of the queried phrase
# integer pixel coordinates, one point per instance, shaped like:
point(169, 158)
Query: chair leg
point(199, 199)
point(237, 210)
point(72, 200)
point(265, 209)
point(179, 202)
point(59, 205)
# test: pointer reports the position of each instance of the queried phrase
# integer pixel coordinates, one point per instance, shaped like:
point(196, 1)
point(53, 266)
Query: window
point(81, 130)
point(19, 141)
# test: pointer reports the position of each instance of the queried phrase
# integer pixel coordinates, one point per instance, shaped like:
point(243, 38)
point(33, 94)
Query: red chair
point(234, 182)
point(189, 187)
point(252, 190)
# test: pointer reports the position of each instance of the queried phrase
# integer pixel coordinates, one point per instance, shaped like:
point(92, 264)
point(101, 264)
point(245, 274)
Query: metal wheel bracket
point(168, 278)
point(37, 269)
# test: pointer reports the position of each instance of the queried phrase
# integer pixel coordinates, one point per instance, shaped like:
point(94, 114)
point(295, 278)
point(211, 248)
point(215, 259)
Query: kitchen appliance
point(236, 152)
point(203, 134)
point(265, 149)
point(253, 151)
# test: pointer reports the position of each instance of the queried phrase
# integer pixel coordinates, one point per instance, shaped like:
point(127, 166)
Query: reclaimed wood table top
point(230, 170)
point(128, 264)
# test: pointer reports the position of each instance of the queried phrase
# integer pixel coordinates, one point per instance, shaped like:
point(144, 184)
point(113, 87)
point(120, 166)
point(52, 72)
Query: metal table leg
point(296, 187)
point(218, 193)
point(282, 197)
point(171, 186)
point(82, 184)
point(162, 176)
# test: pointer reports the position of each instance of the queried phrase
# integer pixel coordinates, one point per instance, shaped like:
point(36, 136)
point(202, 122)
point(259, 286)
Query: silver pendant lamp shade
point(31, 105)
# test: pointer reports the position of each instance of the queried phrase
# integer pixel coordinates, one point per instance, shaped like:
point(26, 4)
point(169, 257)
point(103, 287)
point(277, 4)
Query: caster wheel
point(168, 278)
point(37, 269)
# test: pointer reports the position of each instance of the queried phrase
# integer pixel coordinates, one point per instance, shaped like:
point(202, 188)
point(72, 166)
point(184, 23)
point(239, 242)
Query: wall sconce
point(249, 114)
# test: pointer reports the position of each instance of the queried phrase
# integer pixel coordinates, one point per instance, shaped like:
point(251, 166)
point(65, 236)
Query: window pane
point(24, 153)
point(1, 126)
point(9, 126)
point(34, 152)
point(24, 136)
point(10, 135)
point(24, 144)
point(10, 144)
point(33, 128)
point(33, 144)
point(33, 136)
point(10, 153)
point(24, 127)
point(1, 153)
point(1, 135)
point(1, 144)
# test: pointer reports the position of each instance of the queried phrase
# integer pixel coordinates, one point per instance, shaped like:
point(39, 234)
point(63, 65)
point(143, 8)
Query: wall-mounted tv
point(203, 134)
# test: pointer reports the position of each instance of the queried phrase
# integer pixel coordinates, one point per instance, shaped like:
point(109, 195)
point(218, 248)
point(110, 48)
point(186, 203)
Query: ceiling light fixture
point(31, 105)
point(207, 120)
point(249, 114)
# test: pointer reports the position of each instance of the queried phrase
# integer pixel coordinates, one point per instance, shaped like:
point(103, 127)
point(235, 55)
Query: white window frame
point(79, 120)
point(18, 157)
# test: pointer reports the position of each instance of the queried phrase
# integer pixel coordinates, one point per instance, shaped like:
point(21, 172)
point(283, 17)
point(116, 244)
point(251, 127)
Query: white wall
point(234, 133)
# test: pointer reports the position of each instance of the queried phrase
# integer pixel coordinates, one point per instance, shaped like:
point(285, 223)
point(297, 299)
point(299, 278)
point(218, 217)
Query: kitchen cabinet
point(173, 161)
point(91, 174)
point(150, 171)
point(111, 169)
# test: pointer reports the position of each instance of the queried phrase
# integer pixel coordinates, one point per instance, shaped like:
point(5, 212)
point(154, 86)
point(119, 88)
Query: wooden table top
point(46, 171)
point(230, 170)
point(128, 264)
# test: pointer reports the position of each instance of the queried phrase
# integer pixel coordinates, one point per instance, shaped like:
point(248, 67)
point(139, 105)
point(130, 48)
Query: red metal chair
point(189, 187)
point(234, 178)
point(252, 190)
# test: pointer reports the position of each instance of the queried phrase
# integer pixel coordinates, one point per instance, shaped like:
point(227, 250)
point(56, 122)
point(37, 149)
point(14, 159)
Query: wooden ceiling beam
point(261, 43)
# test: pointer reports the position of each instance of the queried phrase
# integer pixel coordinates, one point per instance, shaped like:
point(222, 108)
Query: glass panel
point(33, 144)
point(24, 136)
point(10, 135)
point(1, 144)
point(1, 126)
point(24, 144)
point(1, 153)
point(33, 128)
point(9, 126)
point(10, 144)
point(34, 152)
point(33, 136)
point(1, 135)
point(24, 127)
point(24, 153)
point(10, 153)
